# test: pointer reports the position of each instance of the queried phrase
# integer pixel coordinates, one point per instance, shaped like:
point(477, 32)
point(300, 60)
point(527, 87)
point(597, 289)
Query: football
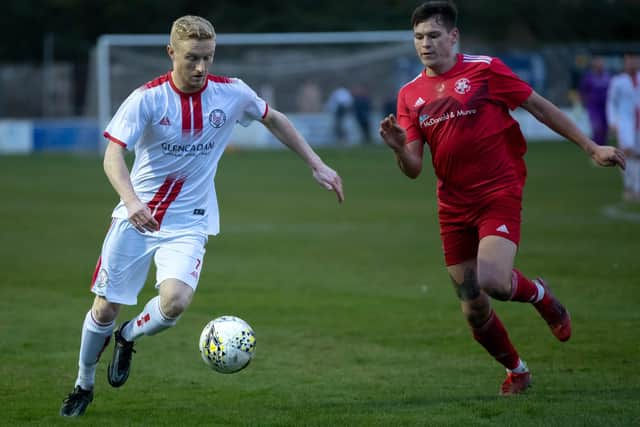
point(227, 344)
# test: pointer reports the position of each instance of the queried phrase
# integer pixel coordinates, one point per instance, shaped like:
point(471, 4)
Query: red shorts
point(461, 230)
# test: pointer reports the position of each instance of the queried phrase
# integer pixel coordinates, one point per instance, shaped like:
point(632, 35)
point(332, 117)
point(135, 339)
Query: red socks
point(494, 338)
point(522, 289)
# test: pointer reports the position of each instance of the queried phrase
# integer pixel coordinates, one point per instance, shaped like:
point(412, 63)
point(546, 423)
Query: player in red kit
point(459, 105)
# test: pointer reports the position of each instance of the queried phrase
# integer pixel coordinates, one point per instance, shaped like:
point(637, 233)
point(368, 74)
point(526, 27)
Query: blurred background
point(61, 78)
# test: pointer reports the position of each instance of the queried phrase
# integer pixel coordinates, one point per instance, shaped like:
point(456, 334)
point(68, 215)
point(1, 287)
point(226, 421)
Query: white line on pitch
point(616, 212)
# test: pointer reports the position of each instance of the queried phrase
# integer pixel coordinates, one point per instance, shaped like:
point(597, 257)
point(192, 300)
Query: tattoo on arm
point(467, 290)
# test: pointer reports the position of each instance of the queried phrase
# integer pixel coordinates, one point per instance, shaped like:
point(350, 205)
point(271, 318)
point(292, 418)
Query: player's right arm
point(116, 170)
point(408, 154)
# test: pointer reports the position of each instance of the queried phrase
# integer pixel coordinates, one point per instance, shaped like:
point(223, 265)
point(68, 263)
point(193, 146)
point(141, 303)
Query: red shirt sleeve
point(505, 86)
point(406, 120)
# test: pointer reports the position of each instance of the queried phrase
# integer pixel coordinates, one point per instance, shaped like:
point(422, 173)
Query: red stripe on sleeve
point(114, 139)
point(266, 110)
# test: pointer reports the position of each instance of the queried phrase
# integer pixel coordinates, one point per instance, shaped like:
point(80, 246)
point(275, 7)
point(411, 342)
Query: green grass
point(355, 317)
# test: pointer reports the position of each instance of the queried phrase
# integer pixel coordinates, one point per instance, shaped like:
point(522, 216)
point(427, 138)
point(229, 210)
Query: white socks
point(151, 321)
point(95, 338)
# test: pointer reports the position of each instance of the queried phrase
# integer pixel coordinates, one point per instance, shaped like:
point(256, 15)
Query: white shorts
point(124, 263)
point(628, 136)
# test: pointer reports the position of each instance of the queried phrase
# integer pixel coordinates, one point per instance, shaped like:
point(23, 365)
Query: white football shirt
point(178, 139)
point(623, 109)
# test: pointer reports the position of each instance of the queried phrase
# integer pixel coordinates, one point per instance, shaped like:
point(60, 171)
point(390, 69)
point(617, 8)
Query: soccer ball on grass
point(227, 344)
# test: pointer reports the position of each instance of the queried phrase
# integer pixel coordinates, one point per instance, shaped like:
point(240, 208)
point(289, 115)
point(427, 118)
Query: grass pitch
point(356, 320)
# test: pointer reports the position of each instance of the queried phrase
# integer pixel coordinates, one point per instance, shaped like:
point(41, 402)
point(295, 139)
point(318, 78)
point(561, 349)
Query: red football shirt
point(477, 148)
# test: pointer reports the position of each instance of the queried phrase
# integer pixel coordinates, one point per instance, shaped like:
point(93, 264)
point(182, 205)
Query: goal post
point(276, 65)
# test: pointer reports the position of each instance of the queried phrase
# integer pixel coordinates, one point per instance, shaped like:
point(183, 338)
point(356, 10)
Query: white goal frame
point(107, 41)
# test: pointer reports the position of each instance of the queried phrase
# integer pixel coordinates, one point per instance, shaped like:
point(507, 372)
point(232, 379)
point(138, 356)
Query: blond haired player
point(178, 125)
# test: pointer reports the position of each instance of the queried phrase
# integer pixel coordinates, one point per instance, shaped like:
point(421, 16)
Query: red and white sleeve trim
point(114, 139)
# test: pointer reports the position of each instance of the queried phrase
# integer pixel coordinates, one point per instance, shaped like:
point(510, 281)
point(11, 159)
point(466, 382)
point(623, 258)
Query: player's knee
point(175, 304)
point(103, 311)
point(468, 289)
point(495, 284)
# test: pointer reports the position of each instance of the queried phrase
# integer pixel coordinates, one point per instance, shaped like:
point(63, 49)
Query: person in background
point(339, 104)
point(362, 111)
point(309, 98)
point(623, 114)
point(593, 95)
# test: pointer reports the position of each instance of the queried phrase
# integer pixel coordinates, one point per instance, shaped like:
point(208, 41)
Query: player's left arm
point(282, 128)
point(550, 115)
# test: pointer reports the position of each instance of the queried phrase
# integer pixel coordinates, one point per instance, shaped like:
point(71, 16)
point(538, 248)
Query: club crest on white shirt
point(217, 118)
point(462, 86)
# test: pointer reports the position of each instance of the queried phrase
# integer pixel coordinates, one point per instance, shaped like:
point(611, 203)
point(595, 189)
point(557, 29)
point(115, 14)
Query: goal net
point(294, 72)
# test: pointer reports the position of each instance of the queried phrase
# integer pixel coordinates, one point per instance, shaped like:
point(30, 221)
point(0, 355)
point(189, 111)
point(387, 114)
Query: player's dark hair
point(445, 11)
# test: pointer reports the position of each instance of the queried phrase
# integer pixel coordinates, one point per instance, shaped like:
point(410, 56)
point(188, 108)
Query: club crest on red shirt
point(462, 86)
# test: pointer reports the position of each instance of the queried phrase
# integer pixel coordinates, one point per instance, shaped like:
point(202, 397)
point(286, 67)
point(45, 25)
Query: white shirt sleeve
point(255, 108)
point(128, 124)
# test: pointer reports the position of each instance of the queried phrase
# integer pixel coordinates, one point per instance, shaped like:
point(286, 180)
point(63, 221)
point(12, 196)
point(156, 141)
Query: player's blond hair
point(191, 27)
